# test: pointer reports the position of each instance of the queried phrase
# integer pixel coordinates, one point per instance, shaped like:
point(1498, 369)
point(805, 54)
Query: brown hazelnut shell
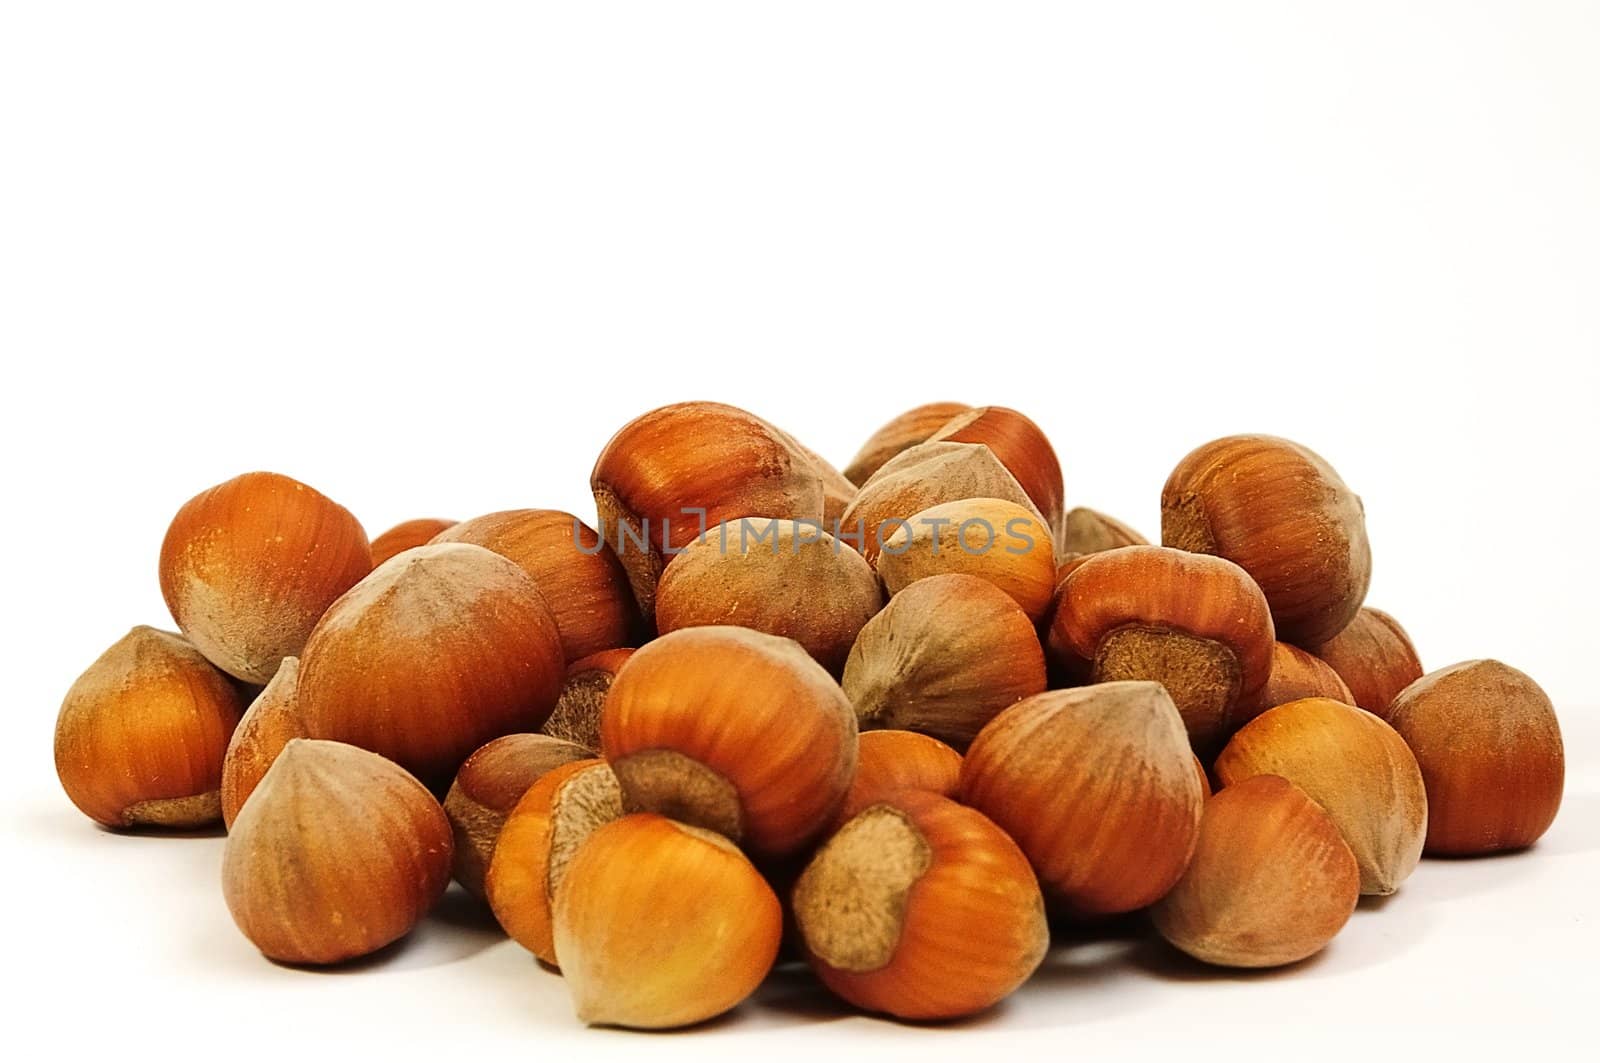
point(1351, 763)
point(1375, 658)
point(441, 649)
point(990, 538)
point(1489, 747)
point(1021, 446)
point(905, 431)
point(405, 535)
point(272, 719)
point(249, 566)
point(142, 732)
point(576, 718)
point(1098, 786)
point(1283, 515)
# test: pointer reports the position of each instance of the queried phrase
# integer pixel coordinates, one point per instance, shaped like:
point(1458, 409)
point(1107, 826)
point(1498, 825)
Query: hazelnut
point(272, 719)
point(837, 489)
point(1375, 658)
point(922, 477)
point(734, 731)
point(921, 908)
point(337, 853)
point(667, 476)
point(905, 431)
point(1486, 739)
point(576, 718)
point(1197, 625)
point(985, 537)
point(405, 535)
point(1098, 786)
point(776, 576)
point(1087, 531)
point(141, 734)
point(579, 575)
point(551, 821)
point(1021, 447)
point(944, 656)
point(1295, 674)
point(1272, 880)
point(248, 567)
point(488, 787)
point(662, 924)
point(441, 649)
point(890, 761)
point(1282, 514)
point(1352, 764)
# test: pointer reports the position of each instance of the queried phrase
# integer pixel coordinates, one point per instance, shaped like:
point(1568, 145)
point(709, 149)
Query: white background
point(428, 257)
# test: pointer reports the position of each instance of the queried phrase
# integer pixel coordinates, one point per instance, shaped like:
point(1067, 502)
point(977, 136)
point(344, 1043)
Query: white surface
point(428, 258)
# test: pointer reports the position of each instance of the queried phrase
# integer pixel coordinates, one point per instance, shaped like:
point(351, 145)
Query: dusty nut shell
point(142, 732)
point(1352, 764)
point(985, 537)
point(1088, 531)
point(660, 924)
point(1374, 657)
point(1283, 515)
point(549, 824)
point(1489, 747)
point(667, 476)
point(248, 567)
point(734, 731)
point(1098, 786)
point(944, 656)
point(888, 907)
point(905, 431)
point(920, 478)
point(441, 649)
point(890, 761)
point(1196, 624)
point(488, 787)
point(1295, 674)
point(1022, 448)
point(1271, 882)
point(777, 576)
point(272, 719)
point(579, 575)
point(405, 535)
point(576, 718)
point(337, 853)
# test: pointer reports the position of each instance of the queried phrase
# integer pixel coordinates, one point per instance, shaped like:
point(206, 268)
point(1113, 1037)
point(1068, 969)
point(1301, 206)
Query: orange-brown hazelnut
point(141, 734)
point(576, 718)
point(1352, 764)
point(1021, 447)
point(1487, 741)
point(249, 567)
point(890, 761)
point(488, 787)
point(667, 476)
point(1271, 882)
point(1196, 624)
point(662, 924)
point(1374, 657)
point(905, 431)
point(777, 576)
point(405, 535)
point(1098, 787)
point(734, 731)
point(985, 537)
point(921, 908)
point(920, 478)
point(1283, 515)
point(579, 576)
point(944, 656)
point(549, 824)
point(441, 649)
point(1295, 674)
point(272, 719)
point(337, 853)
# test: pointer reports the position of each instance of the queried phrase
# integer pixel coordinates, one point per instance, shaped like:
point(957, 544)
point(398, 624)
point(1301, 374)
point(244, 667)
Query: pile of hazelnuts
point(895, 721)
